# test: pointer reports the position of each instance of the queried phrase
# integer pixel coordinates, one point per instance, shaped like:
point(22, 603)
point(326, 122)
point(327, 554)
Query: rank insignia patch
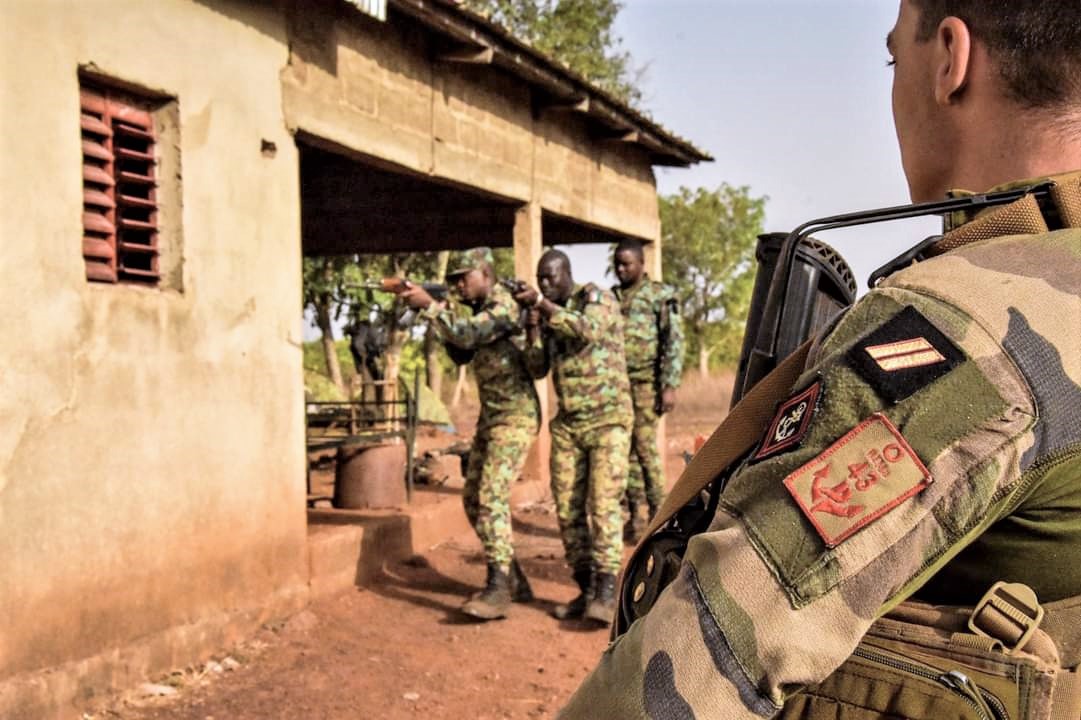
point(858, 479)
point(904, 355)
point(790, 423)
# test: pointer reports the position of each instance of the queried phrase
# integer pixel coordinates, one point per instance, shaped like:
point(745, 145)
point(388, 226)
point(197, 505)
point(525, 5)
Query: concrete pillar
point(528, 246)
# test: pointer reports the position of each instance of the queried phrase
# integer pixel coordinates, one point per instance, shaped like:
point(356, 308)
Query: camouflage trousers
point(589, 471)
point(495, 462)
point(645, 476)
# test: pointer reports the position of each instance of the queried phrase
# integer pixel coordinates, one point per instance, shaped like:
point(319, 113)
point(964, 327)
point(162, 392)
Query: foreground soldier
point(944, 451)
point(580, 340)
point(653, 339)
point(509, 415)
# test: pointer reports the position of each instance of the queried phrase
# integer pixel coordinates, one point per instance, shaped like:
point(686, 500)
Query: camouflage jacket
point(505, 386)
point(650, 318)
point(934, 444)
point(582, 344)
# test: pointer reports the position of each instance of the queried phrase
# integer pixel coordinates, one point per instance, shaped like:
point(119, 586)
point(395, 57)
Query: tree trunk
point(431, 362)
point(393, 355)
point(431, 341)
point(459, 387)
point(330, 352)
point(703, 362)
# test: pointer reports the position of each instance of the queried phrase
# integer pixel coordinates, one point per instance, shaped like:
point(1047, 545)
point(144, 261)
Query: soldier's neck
point(1051, 146)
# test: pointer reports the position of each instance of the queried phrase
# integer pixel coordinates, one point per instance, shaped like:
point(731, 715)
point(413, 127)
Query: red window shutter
point(120, 208)
point(99, 197)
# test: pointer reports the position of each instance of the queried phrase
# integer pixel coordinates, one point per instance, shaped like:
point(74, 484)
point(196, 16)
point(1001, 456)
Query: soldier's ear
point(953, 53)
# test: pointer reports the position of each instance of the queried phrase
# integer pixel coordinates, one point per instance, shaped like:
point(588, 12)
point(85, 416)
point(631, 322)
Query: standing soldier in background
point(653, 338)
point(485, 322)
point(576, 332)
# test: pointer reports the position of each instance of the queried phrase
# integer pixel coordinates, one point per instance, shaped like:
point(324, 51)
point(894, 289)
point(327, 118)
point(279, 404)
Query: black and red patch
point(791, 422)
point(904, 355)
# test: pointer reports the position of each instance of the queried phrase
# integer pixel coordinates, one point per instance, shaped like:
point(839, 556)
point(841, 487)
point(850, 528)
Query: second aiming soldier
point(509, 415)
point(580, 339)
point(653, 338)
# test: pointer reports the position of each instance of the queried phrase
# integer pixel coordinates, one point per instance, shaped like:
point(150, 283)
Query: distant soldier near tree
point(653, 337)
point(484, 321)
point(576, 332)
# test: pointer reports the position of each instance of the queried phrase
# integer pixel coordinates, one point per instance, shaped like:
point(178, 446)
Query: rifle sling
point(732, 439)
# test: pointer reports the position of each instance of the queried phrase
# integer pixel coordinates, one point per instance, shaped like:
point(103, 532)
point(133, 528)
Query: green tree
point(575, 32)
point(709, 240)
point(331, 288)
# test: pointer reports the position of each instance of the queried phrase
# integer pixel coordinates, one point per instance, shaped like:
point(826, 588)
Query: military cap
point(463, 261)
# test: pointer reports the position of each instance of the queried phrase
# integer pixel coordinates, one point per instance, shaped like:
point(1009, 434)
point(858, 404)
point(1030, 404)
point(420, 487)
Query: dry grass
point(701, 403)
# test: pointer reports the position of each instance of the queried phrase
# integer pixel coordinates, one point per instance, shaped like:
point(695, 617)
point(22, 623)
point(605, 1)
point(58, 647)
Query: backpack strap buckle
point(1009, 613)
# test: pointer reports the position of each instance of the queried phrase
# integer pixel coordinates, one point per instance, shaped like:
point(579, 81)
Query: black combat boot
point(630, 528)
point(520, 592)
point(493, 601)
point(576, 607)
point(602, 605)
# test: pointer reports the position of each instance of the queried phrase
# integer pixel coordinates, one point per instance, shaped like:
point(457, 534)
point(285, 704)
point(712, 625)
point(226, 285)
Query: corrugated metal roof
point(376, 8)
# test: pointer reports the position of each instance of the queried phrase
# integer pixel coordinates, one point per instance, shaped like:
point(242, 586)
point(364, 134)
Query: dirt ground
point(399, 649)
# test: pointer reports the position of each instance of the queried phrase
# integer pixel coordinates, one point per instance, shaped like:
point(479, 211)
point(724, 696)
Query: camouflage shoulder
point(591, 293)
point(499, 296)
point(663, 291)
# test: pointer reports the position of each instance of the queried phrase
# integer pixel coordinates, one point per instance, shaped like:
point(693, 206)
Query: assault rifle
point(397, 285)
point(664, 357)
point(515, 286)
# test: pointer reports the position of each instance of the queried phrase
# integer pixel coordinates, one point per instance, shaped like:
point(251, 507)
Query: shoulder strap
point(732, 439)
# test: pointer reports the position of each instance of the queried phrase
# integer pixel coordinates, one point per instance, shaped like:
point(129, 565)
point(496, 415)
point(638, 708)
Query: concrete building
point(165, 166)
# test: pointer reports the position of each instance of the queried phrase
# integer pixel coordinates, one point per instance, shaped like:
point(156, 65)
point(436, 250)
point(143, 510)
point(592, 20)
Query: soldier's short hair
point(557, 256)
point(1036, 44)
point(635, 246)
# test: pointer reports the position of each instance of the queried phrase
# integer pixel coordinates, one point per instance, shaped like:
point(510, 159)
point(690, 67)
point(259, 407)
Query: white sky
point(791, 97)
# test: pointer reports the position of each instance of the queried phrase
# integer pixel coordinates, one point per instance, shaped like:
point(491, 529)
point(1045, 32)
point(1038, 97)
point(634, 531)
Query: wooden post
point(528, 246)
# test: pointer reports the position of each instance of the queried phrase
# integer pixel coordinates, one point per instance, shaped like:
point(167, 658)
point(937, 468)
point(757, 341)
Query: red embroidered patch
point(791, 422)
point(856, 480)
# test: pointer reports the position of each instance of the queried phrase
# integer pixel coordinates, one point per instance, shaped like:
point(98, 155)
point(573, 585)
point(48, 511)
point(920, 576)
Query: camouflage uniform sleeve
point(581, 327)
point(781, 588)
point(468, 331)
point(672, 372)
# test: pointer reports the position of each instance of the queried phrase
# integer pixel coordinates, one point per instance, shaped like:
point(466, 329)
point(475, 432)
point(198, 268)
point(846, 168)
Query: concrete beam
point(469, 55)
point(575, 104)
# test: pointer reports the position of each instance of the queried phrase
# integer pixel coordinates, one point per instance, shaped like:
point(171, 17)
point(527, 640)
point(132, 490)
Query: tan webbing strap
point(1066, 194)
point(737, 434)
point(1021, 217)
point(1066, 696)
point(1062, 621)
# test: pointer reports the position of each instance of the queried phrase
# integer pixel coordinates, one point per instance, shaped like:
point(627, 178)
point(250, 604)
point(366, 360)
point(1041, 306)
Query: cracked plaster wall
point(151, 441)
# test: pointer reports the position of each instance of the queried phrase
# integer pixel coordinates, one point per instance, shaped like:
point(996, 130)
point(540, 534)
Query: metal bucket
point(370, 476)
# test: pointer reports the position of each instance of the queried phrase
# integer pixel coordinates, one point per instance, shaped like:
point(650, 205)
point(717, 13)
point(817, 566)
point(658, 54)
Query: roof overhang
point(476, 40)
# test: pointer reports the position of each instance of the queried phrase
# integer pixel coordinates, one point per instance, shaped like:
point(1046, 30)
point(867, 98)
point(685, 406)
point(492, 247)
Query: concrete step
point(348, 548)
